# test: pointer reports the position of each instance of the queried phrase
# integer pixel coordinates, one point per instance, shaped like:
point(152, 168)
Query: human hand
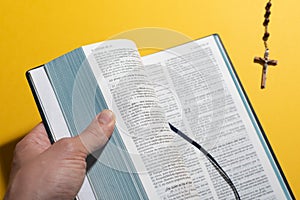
point(44, 171)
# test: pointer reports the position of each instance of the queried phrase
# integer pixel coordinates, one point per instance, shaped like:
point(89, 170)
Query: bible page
point(200, 95)
point(140, 120)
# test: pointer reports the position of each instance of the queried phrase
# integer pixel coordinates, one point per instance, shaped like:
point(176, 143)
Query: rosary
point(265, 61)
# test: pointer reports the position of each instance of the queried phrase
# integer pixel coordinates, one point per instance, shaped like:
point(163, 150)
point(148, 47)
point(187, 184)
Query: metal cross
point(265, 62)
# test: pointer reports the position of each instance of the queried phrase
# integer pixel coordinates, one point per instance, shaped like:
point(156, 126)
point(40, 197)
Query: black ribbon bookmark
point(210, 158)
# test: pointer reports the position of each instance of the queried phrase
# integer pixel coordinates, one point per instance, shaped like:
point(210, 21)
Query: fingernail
point(105, 117)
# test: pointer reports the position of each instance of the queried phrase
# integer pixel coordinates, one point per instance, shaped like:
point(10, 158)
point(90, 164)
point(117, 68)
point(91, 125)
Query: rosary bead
point(266, 22)
point(266, 56)
point(266, 36)
point(268, 6)
point(267, 14)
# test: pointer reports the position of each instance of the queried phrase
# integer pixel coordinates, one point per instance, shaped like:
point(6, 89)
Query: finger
point(98, 132)
point(36, 141)
point(33, 144)
point(38, 135)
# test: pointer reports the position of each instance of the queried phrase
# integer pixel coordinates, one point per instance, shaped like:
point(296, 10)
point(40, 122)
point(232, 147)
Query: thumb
point(98, 132)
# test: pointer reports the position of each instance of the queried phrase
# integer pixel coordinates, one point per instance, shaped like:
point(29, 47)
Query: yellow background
point(33, 32)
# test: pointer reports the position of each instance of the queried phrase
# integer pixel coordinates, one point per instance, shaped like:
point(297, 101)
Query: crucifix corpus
point(265, 61)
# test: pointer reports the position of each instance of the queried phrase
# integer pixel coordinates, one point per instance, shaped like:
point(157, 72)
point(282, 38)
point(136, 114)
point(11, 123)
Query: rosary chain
point(266, 23)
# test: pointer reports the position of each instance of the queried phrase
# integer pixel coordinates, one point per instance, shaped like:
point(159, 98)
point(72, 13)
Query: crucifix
point(265, 61)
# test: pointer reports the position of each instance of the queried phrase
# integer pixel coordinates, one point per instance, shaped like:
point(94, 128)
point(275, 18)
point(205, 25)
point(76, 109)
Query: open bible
point(192, 86)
